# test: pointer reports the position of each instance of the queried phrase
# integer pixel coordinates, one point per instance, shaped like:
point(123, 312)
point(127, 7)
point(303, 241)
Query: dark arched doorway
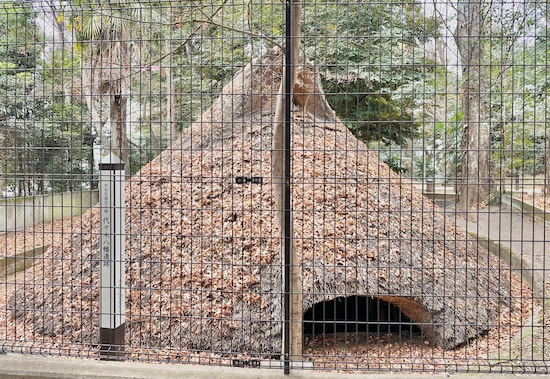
point(357, 314)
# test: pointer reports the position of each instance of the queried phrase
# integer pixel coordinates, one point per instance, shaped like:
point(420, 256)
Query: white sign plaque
point(112, 241)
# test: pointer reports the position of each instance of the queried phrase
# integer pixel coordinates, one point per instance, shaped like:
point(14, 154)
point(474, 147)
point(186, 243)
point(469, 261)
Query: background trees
point(41, 133)
point(498, 116)
point(519, 89)
point(369, 56)
point(81, 78)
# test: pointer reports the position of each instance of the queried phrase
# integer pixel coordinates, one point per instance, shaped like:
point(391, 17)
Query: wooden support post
point(296, 311)
point(282, 175)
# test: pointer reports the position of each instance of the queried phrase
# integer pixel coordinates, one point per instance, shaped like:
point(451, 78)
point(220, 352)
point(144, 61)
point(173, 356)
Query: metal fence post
point(111, 245)
point(292, 272)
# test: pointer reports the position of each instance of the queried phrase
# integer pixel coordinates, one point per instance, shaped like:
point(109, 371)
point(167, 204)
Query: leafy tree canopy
point(367, 53)
point(41, 133)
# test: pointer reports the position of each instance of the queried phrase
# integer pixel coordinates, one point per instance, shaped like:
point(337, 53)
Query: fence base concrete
point(36, 367)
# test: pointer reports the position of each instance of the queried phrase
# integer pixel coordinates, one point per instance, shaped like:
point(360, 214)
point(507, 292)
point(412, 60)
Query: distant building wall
point(20, 212)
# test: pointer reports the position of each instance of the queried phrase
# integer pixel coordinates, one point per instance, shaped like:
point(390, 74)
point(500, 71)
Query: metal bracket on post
point(111, 246)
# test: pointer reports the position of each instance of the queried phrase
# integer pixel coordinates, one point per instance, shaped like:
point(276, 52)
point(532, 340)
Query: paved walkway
point(527, 238)
point(528, 242)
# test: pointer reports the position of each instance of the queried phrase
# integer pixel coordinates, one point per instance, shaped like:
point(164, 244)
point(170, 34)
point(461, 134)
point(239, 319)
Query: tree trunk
point(21, 183)
point(118, 130)
point(474, 185)
point(547, 174)
point(172, 107)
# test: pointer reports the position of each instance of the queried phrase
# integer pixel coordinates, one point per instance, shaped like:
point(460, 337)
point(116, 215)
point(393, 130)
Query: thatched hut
point(203, 252)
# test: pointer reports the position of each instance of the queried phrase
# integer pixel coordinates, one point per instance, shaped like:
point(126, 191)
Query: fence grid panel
point(356, 185)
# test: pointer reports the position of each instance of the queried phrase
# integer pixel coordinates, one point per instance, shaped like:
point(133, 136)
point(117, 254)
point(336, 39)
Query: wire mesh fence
point(349, 185)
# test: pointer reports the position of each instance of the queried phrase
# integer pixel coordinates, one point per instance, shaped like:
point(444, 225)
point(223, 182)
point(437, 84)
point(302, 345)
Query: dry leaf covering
point(203, 253)
point(539, 200)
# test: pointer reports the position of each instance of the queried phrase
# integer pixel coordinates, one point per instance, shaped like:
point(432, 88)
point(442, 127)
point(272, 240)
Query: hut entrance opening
point(361, 315)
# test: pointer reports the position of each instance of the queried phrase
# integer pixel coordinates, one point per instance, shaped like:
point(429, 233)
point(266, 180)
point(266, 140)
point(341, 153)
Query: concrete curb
point(525, 208)
point(20, 261)
point(14, 366)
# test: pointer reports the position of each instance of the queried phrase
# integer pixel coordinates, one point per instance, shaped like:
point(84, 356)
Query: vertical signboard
point(111, 247)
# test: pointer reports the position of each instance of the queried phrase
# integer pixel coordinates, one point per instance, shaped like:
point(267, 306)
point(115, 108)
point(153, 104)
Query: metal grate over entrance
point(358, 186)
point(357, 314)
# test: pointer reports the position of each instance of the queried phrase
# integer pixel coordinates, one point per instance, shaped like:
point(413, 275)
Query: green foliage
point(372, 113)
point(17, 59)
point(41, 132)
point(220, 41)
point(519, 133)
point(16, 26)
point(370, 55)
point(374, 93)
point(367, 54)
point(392, 155)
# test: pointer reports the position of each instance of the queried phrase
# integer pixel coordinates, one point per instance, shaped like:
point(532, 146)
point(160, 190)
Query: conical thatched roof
point(203, 253)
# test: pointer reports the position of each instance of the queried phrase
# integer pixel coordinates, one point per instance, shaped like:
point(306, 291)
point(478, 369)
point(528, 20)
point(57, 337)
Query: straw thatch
point(203, 253)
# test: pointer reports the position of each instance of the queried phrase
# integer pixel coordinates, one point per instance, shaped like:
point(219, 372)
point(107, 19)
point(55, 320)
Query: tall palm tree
point(104, 32)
